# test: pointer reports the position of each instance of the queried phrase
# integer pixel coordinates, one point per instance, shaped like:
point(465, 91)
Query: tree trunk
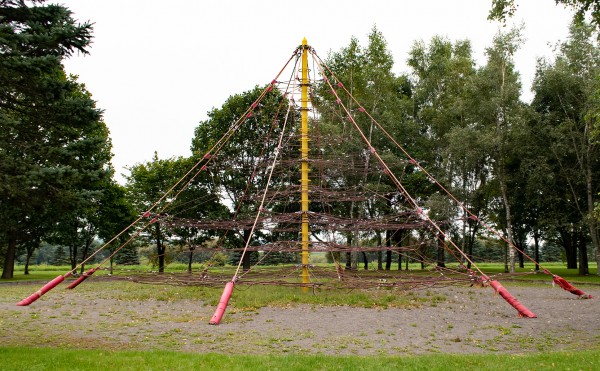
point(379, 253)
point(348, 261)
point(571, 254)
point(388, 253)
point(397, 240)
point(366, 260)
point(190, 259)
point(246, 259)
point(465, 238)
point(592, 222)
point(583, 260)
point(536, 250)
point(441, 259)
point(354, 253)
point(501, 171)
point(506, 258)
point(160, 249)
point(349, 254)
point(73, 256)
point(595, 243)
point(471, 241)
point(509, 237)
point(520, 255)
point(568, 238)
point(28, 260)
point(399, 262)
point(9, 257)
point(85, 252)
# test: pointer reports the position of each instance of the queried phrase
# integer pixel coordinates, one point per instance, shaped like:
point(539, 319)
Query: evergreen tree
point(60, 256)
point(128, 255)
point(54, 147)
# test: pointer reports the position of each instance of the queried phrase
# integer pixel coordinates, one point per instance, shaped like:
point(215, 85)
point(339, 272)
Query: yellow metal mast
point(304, 164)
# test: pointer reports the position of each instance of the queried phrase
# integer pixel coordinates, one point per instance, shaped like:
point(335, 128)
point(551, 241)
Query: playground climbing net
point(353, 197)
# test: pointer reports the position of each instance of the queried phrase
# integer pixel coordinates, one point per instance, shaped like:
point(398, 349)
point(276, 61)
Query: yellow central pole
point(304, 164)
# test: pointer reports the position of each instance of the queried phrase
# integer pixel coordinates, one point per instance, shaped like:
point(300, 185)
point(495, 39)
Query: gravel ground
point(464, 320)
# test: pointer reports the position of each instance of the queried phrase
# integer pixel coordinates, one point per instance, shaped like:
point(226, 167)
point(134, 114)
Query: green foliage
point(152, 187)
point(241, 153)
point(238, 171)
point(54, 147)
point(115, 211)
point(128, 255)
point(217, 260)
point(444, 96)
point(279, 257)
point(584, 8)
point(501, 10)
point(149, 181)
point(60, 257)
point(366, 72)
point(149, 254)
point(234, 258)
point(566, 91)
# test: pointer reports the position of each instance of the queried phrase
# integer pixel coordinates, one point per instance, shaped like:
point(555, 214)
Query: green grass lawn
point(73, 359)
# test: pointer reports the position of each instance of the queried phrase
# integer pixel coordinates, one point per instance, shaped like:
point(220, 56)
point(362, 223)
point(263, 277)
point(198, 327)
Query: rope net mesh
point(360, 211)
point(369, 200)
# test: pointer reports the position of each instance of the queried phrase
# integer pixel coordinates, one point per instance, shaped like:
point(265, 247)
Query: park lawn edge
point(34, 358)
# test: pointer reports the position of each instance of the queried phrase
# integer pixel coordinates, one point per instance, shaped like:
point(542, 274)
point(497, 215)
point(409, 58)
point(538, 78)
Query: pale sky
point(156, 68)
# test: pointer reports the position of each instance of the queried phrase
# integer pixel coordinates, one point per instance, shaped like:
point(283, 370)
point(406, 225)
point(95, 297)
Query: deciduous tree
point(503, 9)
point(566, 97)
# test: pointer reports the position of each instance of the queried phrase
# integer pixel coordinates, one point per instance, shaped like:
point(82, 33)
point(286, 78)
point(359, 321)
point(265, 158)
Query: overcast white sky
point(158, 67)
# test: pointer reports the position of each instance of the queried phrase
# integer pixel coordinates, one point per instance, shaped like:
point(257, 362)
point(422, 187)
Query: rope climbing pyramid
point(322, 175)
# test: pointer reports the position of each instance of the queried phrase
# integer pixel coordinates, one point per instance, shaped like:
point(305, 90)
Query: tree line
point(529, 169)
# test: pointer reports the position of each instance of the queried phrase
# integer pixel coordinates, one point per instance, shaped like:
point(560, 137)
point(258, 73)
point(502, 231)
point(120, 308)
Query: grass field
point(53, 359)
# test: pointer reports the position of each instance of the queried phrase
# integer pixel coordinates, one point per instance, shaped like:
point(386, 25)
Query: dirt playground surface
point(463, 320)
